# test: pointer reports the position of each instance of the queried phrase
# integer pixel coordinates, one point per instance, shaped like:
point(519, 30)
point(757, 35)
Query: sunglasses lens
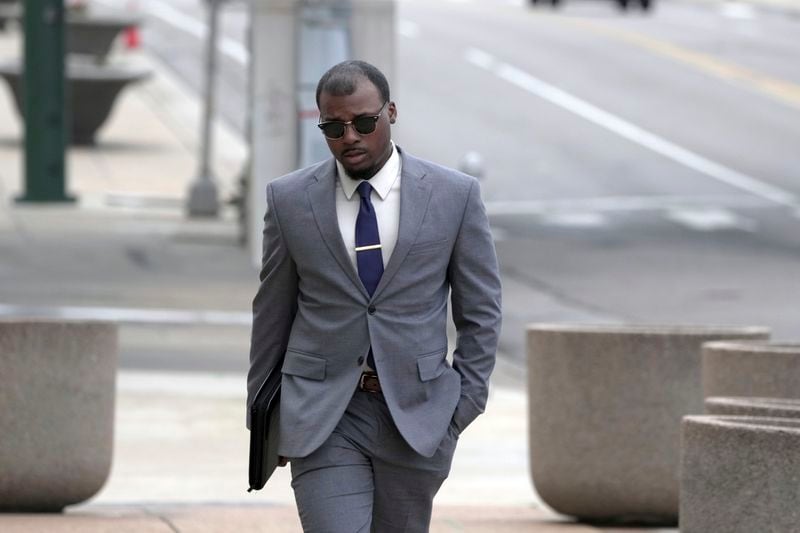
point(364, 125)
point(332, 130)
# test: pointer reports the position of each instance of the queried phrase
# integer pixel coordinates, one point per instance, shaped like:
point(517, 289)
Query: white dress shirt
point(385, 199)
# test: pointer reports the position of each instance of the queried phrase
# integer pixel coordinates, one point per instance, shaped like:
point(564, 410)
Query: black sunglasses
point(334, 129)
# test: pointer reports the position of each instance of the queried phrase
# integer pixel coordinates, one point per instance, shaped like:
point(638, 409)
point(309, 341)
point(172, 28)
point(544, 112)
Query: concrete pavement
point(181, 290)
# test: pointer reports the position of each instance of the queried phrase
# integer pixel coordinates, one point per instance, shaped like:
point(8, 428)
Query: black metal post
point(43, 100)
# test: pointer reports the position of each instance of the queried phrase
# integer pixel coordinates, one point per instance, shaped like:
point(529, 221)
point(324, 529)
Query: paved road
point(640, 167)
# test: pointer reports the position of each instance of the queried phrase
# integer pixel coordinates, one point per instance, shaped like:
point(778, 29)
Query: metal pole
point(203, 196)
point(247, 171)
point(43, 89)
point(274, 111)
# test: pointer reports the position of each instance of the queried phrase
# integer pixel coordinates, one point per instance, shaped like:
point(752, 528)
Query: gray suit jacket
point(312, 307)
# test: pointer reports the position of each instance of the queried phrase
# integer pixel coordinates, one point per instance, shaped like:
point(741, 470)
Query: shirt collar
point(382, 182)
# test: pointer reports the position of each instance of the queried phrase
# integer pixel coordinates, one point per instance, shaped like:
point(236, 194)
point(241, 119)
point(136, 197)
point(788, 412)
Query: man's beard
point(364, 174)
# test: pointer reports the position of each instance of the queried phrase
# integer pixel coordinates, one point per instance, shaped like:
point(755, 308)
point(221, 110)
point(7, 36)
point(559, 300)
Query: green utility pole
point(43, 97)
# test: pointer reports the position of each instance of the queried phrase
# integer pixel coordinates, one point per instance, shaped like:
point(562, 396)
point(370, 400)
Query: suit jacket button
point(360, 361)
point(371, 309)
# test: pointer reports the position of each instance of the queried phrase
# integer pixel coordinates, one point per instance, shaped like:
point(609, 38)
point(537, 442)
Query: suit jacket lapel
point(322, 196)
point(415, 194)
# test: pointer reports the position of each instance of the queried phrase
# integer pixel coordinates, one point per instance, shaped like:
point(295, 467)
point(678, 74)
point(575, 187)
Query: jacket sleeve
point(274, 306)
point(476, 303)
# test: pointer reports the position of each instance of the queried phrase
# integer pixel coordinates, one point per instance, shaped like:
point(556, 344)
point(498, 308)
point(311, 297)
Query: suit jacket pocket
point(432, 366)
point(304, 365)
point(427, 247)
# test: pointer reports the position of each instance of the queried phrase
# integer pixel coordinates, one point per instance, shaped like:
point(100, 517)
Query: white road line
point(176, 18)
point(172, 16)
point(499, 234)
point(575, 220)
point(408, 29)
point(178, 383)
point(710, 219)
point(129, 315)
point(621, 204)
point(738, 11)
point(630, 131)
point(234, 50)
point(479, 58)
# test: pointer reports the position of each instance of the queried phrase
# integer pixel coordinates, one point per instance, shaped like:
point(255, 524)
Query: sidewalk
point(180, 461)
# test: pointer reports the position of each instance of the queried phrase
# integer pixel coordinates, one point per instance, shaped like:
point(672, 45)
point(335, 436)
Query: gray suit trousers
point(365, 477)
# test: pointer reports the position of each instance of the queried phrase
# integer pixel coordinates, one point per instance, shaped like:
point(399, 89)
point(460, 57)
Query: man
point(360, 255)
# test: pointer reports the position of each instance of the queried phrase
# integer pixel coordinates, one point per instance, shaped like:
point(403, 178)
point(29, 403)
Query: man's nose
point(350, 134)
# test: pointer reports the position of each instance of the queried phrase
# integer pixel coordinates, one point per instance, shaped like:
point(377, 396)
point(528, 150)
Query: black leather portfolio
point(264, 415)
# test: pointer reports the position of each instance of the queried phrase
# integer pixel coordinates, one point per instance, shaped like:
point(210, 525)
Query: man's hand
point(282, 461)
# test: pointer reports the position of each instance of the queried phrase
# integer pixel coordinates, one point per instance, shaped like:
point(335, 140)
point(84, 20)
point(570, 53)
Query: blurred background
point(640, 162)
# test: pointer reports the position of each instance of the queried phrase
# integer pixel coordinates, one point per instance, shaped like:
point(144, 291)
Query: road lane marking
point(479, 58)
point(621, 204)
point(170, 15)
point(699, 213)
point(784, 91)
point(182, 383)
point(176, 18)
point(499, 234)
point(234, 50)
point(738, 11)
point(707, 220)
point(585, 220)
point(628, 130)
point(186, 317)
point(173, 17)
point(594, 213)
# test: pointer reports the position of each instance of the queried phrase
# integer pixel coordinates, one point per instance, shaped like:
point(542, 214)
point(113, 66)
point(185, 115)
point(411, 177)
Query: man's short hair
point(342, 79)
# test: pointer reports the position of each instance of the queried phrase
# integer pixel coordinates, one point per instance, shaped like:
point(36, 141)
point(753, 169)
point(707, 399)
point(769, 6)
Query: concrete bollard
point(57, 387)
point(760, 407)
point(739, 474)
point(761, 369)
point(605, 405)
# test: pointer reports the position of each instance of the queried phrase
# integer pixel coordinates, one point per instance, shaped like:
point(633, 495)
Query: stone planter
point(751, 369)
point(92, 91)
point(605, 409)
point(57, 384)
point(92, 32)
point(760, 407)
point(740, 475)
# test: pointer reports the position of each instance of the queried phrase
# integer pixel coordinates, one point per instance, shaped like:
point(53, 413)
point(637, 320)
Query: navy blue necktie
point(368, 246)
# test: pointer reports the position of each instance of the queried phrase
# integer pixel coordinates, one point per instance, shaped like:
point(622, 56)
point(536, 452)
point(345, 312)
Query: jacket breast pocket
point(432, 366)
point(304, 365)
point(426, 247)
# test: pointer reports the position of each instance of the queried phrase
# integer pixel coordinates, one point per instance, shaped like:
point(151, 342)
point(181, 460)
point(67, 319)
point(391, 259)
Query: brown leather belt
point(369, 382)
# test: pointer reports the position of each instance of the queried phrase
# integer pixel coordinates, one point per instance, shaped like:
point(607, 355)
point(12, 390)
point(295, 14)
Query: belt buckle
point(363, 379)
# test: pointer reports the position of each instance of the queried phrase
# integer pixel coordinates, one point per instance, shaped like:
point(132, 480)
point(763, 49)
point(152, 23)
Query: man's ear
point(392, 113)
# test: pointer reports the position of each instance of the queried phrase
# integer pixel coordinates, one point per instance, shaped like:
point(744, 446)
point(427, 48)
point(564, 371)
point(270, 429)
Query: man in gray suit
point(361, 253)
